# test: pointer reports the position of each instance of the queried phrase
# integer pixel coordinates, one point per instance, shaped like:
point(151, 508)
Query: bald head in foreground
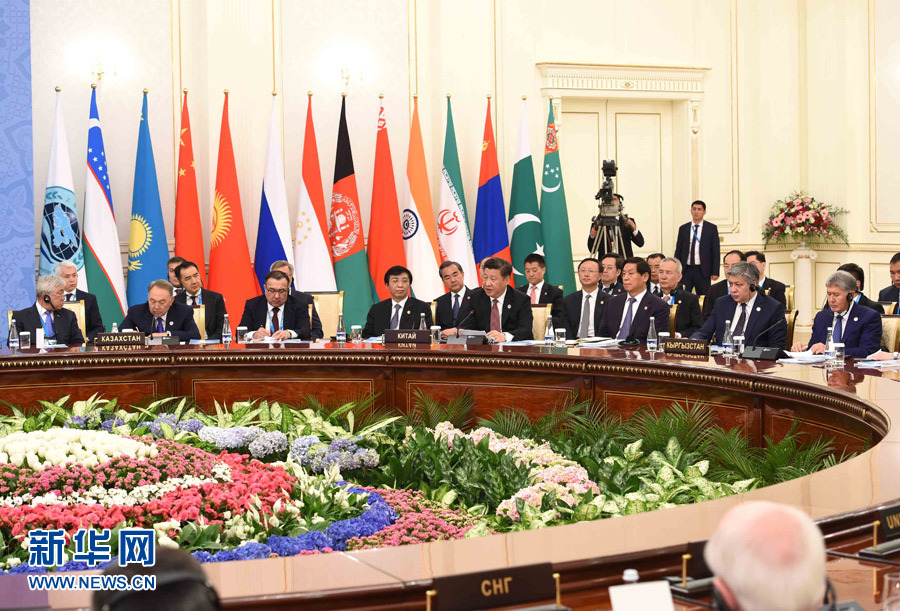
point(769, 557)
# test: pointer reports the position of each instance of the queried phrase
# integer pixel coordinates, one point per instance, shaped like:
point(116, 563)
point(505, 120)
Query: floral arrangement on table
point(259, 479)
point(799, 217)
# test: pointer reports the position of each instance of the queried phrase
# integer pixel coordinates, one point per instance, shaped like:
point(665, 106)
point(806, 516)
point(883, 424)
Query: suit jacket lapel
point(753, 317)
point(505, 307)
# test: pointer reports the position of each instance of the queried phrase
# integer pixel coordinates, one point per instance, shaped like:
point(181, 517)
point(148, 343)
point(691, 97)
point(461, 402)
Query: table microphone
point(629, 342)
point(458, 324)
point(764, 352)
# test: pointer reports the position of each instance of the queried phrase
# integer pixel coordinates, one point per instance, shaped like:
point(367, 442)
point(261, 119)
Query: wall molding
point(622, 81)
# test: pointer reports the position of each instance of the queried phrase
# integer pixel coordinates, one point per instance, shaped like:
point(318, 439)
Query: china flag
point(230, 271)
point(188, 231)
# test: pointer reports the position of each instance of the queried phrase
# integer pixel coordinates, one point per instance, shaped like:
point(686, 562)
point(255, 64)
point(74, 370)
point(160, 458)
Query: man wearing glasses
point(160, 316)
point(276, 314)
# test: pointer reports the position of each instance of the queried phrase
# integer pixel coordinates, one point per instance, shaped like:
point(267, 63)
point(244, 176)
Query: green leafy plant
point(428, 412)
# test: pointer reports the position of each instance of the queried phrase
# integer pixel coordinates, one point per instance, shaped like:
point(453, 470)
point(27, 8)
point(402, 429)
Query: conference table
point(853, 406)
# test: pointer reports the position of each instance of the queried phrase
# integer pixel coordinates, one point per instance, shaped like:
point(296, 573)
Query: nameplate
point(890, 522)
point(407, 336)
point(489, 589)
point(684, 346)
point(117, 342)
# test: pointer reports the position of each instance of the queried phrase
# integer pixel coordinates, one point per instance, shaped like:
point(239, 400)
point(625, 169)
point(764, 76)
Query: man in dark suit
point(93, 322)
point(892, 293)
point(276, 314)
point(503, 313)
point(769, 286)
point(538, 291)
point(697, 247)
point(653, 282)
point(760, 319)
point(628, 230)
point(628, 315)
point(688, 319)
point(305, 299)
point(48, 313)
point(858, 297)
point(194, 295)
point(611, 266)
point(454, 305)
point(858, 328)
point(161, 316)
point(583, 310)
point(171, 265)
point(720, 289)
point(400, 311)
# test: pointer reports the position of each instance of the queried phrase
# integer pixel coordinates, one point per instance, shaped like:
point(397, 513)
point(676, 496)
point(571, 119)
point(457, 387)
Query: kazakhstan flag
point(148, 249)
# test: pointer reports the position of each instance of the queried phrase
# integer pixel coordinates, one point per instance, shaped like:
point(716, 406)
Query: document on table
point(803, 358)
point(599, 342)
point(891, 364)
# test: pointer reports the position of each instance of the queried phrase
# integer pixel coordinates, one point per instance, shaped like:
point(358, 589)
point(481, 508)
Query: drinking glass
point(356, 333)
point(25, 340)
point(241, 335)
point(838, 354)
point(435, 334)
point(739, 345)
point(560, 335)
point(890, 596)
point(662, 338)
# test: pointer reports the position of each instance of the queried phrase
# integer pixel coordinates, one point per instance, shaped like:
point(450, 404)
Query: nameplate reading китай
point(681, 346)
point(504, 587)
point(119, 342)
point(407, 337)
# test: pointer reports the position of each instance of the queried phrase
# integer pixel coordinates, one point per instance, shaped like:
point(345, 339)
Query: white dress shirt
point(634, 306)
point(402, 304)
point(537, 290)
point(592, 306)
point(696, 248)
point(845, 316)
point(737, 313)
point(198, 299)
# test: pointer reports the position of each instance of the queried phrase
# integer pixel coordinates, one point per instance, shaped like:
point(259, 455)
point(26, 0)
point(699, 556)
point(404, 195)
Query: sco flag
point(347, 249)
point(148, 249)
point(60, 236)
point(490, 237)
point(524, 224)
point(102, 262)
point(554, 218)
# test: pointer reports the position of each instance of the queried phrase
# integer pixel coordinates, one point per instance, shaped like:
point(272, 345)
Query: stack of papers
point(803, 358)
point(892, 364)
point(600, 343)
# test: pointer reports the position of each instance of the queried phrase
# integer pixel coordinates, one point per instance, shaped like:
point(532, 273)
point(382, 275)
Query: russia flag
point(490, 238)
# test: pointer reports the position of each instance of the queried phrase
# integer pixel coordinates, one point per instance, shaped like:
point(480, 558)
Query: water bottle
point(422, 324)
point(728, 340)
point(651, 335)
point(630, 576)
point(341, 334)
point(548, 332)
point(115, 328)
point(226, 332)
point(829, 345)
point(13, 335)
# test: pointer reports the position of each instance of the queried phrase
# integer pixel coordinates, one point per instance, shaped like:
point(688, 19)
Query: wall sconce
point(351, 63)
point(104, 59)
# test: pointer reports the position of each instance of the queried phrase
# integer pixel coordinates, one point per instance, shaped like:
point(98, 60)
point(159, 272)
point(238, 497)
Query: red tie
point(534, 296)
point(495, 317)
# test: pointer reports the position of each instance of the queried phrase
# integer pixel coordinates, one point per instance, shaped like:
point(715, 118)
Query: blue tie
point(395, 319)
point(838, 329)
point(455, 307)
point(159, 326)
point(626, 324)
point(48, 324)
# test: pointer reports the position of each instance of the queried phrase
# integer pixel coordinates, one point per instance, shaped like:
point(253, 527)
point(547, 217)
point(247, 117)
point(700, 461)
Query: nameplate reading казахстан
point(119, 342)
point(681, 346)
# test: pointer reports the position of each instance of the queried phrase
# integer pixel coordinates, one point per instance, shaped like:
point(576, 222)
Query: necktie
point(495, 316)
point(656, 290)
point(159, 325)
point(48, 324)
point(395, 319)
point(534, 295)
point(626, 324)
point(70, 297)
point(455, 308)
point(692, 260)
point(193, 300)
point(741, 321)
point(838, 329)
point(275, 325)
point(584, 329)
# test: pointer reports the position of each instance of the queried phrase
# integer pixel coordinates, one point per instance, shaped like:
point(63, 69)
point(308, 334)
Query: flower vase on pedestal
point(803, 257)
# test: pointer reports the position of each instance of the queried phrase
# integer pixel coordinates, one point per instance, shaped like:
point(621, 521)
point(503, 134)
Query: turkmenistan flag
point(351, 268)
point(554, 218)
point(524, 225)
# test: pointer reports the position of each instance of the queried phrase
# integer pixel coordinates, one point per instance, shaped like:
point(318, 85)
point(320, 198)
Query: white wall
point(798, 94)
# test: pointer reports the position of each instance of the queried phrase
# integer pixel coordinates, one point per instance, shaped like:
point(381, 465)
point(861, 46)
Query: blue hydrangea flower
point(75, 422)
point(230, 438)
point(317, 456)
point(111, 423)
point(268, 443)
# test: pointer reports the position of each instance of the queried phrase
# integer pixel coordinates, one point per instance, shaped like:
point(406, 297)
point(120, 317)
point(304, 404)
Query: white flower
point(165, 541)
point(39, 449)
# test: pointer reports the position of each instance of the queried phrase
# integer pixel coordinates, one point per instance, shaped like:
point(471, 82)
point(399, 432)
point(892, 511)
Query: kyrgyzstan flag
point(351, 269)
point(188, 231)
point(385, 236)
point(230, 271)
point(489, 237)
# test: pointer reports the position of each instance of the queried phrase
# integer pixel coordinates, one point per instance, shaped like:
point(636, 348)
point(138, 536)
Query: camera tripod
point(610, 235)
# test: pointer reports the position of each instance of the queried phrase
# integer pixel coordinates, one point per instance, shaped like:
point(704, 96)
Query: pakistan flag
point(524, 225)
point(554, 217)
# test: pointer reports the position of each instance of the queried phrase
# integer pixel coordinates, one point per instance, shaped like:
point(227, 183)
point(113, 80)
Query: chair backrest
point(791, 317)
point(890, 333)
point(701, 299)
point(890, 307)
point(540, 312)
point(434, 312)
point(673, 317)
point(78, 308)
point(789, 297)
point(200, 319)
point(328, 305)
point(9, 318)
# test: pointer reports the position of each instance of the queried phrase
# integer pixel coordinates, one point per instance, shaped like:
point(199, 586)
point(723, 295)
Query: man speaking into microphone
point(48, 313)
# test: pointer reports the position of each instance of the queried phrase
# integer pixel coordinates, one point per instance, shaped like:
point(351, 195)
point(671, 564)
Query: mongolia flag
point(419, 235)
point(273, 237)
point(490, 238)
point(102, 261)
point(60, 236)
point(230, 271)
point(313, 269)
point(385, 235)
point(148, 249)
point(347, 248)
point(188, 230)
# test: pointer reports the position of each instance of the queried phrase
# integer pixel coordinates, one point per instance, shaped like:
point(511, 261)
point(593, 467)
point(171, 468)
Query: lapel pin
point(758, 309)
point(855, 319)
point(509, 307)
point(407, 311)
point(645, 307)
point(171, 322)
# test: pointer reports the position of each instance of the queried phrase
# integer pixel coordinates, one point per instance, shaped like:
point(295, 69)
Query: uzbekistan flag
point(490, 238)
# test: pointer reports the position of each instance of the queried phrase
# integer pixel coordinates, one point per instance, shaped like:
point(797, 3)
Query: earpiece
point(46, 298)
point(753, 288)
point(849, 298)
